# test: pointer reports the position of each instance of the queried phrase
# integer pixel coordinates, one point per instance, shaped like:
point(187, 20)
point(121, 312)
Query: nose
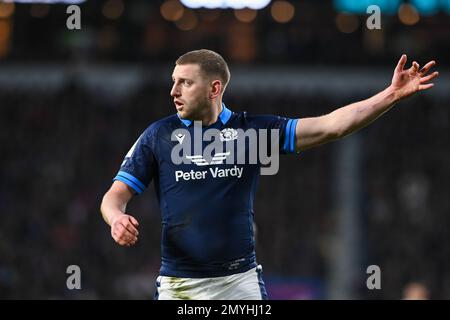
point(175, 92)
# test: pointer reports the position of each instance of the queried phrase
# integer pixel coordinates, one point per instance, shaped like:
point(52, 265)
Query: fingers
point(134, 222)
point(426, 86)
point(423, 80)
point(129, 222)
point(429, 77)
point(125, 229)
point(124, 233)
point(123, 238)
point(130, 227)
point(401, 63)
point(414, 67)
point(427, 67)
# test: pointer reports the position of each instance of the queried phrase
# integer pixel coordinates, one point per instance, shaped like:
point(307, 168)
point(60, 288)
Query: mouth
point(178, 104)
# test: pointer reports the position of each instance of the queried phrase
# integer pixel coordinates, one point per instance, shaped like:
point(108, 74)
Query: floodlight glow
point(360, 6)
point(236, 4)
point(224, 4)
point(256, 5)
point(426, 7)
point(211, 4)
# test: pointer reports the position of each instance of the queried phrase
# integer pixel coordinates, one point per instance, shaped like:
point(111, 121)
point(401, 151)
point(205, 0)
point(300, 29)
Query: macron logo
point(180, 137)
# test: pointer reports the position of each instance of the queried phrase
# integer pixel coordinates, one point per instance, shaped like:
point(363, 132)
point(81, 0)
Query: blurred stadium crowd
point(284, 32)
point(60, 152)
point(61, 148)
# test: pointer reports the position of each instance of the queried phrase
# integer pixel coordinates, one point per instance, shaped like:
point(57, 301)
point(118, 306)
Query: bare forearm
point(314, 131)
point(357, 115)
point(112, 206)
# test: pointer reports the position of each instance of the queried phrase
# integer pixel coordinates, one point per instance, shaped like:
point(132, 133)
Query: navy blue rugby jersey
point(206, 203)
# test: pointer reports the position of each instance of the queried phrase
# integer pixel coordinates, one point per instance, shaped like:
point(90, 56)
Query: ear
point(216, 89)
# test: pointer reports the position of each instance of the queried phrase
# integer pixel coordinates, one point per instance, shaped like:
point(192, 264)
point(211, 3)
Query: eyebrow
point(181, 78)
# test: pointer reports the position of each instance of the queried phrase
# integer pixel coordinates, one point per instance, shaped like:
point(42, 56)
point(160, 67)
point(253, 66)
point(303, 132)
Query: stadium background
point(72, 102)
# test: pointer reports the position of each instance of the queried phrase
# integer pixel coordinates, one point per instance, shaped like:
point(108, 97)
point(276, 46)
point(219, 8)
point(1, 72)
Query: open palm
point(408, 81)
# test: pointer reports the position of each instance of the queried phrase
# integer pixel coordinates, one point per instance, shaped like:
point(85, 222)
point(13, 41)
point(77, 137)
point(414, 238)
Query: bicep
point(139, 165)
point(311, 132)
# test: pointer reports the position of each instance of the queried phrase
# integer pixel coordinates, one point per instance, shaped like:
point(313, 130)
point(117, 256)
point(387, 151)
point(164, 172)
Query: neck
point(211, 115)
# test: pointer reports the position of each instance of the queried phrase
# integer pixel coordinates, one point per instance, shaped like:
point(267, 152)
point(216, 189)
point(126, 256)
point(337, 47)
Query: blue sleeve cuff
point(130, 181)
point(289, 136)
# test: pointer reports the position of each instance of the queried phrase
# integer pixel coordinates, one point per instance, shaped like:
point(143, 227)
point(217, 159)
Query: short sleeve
point(139, 165)
point(286, 129)
point(288, 145)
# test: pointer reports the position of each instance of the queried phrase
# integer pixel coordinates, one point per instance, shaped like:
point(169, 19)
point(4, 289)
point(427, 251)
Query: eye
point(187, 82)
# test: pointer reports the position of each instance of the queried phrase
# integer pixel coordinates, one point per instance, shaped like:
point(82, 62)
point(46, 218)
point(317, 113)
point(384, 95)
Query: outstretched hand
point(409, 81)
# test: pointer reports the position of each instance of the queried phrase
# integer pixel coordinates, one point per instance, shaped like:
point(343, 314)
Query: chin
point(185, 112)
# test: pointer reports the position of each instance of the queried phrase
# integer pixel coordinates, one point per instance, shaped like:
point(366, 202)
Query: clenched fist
point(124, 230)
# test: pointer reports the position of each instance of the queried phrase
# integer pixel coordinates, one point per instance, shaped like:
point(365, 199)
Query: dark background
point(72, 102)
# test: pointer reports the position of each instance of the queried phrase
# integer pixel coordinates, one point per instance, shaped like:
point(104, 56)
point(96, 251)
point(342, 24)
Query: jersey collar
point(224, 116)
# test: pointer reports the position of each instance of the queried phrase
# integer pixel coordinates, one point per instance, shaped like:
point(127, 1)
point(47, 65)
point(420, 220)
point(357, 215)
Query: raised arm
point(123, 226)
point(311, 132)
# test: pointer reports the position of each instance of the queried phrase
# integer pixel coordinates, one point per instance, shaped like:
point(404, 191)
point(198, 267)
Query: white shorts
point(241, 286)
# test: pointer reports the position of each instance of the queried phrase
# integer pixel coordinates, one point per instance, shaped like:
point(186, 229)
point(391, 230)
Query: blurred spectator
point(60, 151)
point(415, 291)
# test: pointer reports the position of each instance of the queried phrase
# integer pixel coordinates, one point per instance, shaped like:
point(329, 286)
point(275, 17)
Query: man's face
point(190, 91)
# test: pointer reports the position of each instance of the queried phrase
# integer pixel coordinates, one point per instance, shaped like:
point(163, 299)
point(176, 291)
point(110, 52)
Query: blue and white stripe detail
point(262, 286)
point(130, 181)
point(289, 136)
point(158, 286)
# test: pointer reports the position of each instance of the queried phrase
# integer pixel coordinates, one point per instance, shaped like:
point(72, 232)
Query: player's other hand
point(124, 230)
point(406, 82)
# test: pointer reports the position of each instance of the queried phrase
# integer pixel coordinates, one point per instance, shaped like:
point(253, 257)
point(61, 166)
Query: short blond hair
point(211, 64)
